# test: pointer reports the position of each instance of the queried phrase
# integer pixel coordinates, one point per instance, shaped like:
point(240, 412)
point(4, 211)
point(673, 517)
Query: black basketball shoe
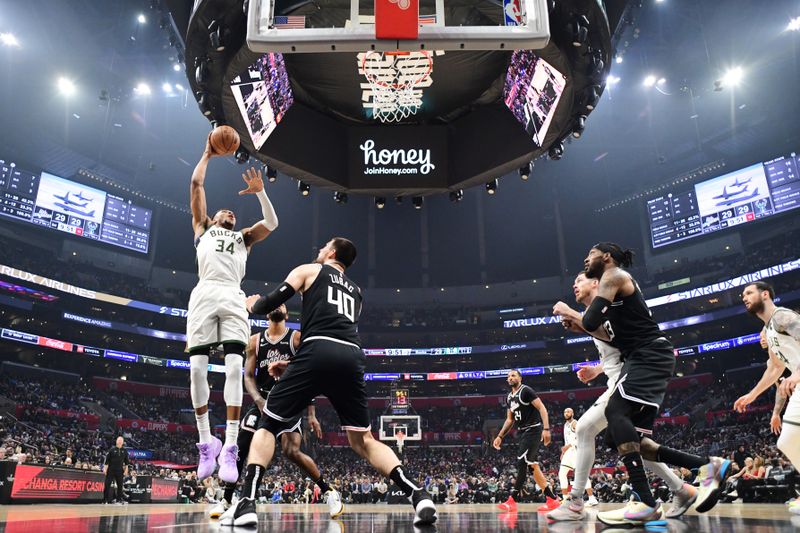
point(245, 513)
point(424, 507)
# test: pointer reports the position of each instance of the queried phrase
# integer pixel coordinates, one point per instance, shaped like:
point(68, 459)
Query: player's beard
point(595, 269)
point(277, 316)
point(756, 307)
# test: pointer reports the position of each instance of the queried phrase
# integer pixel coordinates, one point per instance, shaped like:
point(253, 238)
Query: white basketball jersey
point(221, 255)
point(611, 359)
point(570, 435)
point(784, 346)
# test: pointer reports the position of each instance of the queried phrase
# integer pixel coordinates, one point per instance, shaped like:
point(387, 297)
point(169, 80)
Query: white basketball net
point(394, 82)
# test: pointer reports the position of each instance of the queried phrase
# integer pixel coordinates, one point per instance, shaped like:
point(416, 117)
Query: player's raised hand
point(497, 442)
point(254, 181)
point(209, 152)
point(740, 405)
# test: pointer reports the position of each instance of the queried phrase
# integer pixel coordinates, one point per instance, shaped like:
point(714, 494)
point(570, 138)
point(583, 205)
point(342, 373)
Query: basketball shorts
point(570, 458)
point(217, 314)
point(646, 372)
point(528, 442)
point(327, 367)
point(792, 414)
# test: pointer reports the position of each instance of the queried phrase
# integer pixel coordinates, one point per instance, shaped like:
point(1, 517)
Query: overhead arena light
point(167, 88)
point(304, 188)
point(141, 19)
point(380, 202)
point(216, 35)
point(649, 80)
point(491, 186)
point(176, 67)
point(340, 197)
point(272, 174)
point(417, 202)
point(9, 39)
point(579, 30)
point(66, 87)
point(556, 151)
point(204, 101)
point(733, 77)
point(794, 24)
point(142, 89)
point(242, 155)
point(525, 171)
point(456, 196)
point(580, 125)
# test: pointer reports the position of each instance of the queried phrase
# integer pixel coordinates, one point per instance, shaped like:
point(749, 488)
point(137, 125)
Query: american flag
point(293, 21)
point(427, 19)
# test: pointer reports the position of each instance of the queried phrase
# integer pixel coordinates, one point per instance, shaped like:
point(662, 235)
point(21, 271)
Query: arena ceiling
point(638, 137)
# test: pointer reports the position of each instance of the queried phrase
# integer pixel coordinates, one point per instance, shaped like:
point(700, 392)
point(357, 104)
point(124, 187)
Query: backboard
point(350, 26)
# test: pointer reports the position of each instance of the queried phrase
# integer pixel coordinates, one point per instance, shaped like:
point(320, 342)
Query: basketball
point(224, 140)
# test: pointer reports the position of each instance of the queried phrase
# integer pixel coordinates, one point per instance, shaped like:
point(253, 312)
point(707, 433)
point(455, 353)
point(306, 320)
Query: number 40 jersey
point(331, 307)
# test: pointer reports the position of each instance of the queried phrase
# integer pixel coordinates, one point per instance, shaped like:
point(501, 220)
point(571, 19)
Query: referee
point(116, 466)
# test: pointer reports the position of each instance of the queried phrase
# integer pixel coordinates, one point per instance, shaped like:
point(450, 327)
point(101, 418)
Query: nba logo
point(513, 13)
point(397, 19)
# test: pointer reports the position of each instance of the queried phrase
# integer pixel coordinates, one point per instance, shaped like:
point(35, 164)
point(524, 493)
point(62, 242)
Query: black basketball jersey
point(269, 352)
point(331, 307)
point(525, 414)
point(629, 322)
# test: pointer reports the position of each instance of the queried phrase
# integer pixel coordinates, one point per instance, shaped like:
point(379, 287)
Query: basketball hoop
point(394, 77)
point(400, 437)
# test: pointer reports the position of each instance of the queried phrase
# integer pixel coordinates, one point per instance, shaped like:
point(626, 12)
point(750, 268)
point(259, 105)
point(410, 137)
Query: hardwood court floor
point(167, 518)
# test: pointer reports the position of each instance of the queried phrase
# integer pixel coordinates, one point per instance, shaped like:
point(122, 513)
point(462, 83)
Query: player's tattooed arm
point(775, 422)
point(250, 372)
point(788, 323)
point(197, 192)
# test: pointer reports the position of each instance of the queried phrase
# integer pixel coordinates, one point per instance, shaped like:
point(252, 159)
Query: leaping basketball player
point(619, 315)
point(527, 412)
point(594, 419)
point(217, 312)
point(330, 362)
point(782, 330)
point(267, 351)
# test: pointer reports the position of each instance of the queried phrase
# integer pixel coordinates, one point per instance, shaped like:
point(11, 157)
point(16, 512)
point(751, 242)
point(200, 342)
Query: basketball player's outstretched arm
point(250, 373)
point(261, 230)
point(298, 279)
point(774, 370)
point(197, 192)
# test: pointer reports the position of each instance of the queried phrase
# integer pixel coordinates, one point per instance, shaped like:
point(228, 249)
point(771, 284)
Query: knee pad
point(198, 374)
point(233, 380)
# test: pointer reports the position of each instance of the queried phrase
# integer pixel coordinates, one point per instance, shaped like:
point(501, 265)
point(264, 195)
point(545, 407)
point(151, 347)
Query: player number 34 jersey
point(221, 255)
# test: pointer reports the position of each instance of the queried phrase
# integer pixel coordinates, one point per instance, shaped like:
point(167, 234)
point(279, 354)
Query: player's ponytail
point(627, 259)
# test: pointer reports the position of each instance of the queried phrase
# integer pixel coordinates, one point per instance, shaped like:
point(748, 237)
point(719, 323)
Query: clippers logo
point(402, 4)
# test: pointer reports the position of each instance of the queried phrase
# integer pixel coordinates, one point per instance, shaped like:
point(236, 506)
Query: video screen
point(71, 207)
point(532, 91)
point(264, 95)
point(738, 197)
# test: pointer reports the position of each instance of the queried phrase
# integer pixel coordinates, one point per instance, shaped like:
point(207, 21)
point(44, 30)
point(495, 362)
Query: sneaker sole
point(425, 513)
point(568, 516)
point(609, 522)
point(681, 510)
point(338, 513)
point(249, 519)
point(713, 496)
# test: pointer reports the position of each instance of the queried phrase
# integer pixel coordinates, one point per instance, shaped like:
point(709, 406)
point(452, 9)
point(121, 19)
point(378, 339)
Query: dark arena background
point(474, 151)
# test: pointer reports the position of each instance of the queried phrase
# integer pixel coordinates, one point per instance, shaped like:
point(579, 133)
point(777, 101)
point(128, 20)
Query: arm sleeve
point(267, 211)
point(593, 316)
point(273, 300)
point(527, 395)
